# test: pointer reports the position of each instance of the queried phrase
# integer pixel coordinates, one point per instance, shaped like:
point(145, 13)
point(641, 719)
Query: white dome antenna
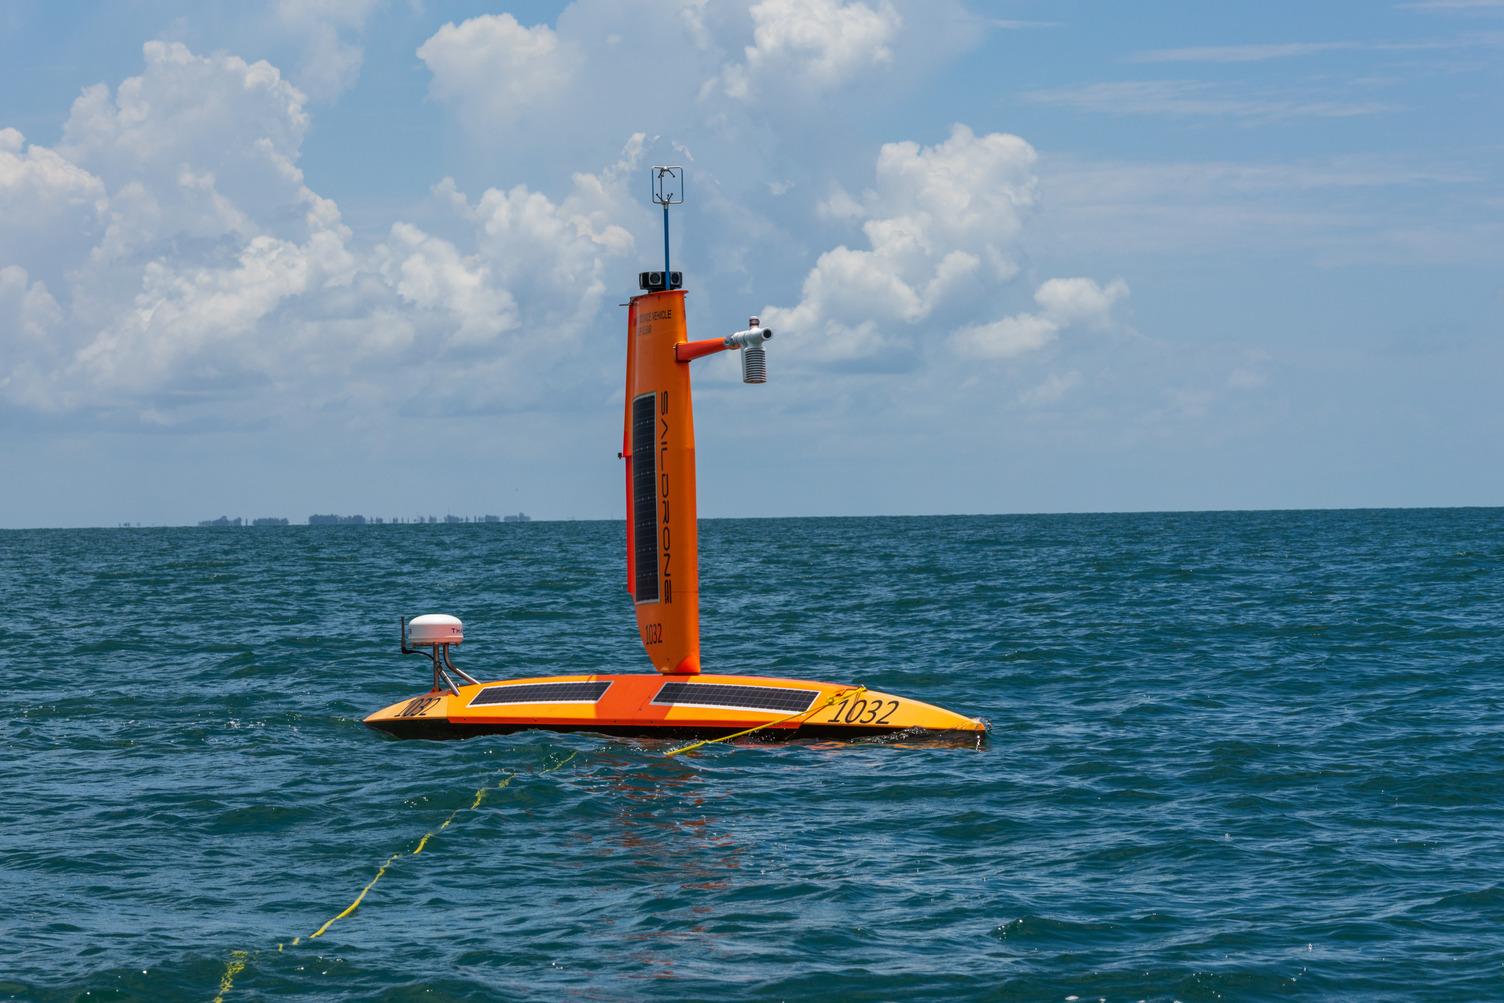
point(436, 632)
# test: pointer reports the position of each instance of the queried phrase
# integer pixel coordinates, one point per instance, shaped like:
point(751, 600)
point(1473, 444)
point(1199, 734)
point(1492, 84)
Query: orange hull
point(639, 704)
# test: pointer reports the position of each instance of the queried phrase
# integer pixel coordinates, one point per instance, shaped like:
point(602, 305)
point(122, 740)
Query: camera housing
point(653, 281)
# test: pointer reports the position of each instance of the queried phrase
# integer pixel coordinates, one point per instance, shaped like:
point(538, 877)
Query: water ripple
point(1236, 756)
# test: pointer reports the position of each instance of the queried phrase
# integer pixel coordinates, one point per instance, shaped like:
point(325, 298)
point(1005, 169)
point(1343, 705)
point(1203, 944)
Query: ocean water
point(1235, 756)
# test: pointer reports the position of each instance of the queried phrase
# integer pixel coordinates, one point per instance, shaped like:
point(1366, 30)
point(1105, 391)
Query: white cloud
point(208, 272)
point(207, 281)
point(195, 147)
point(328, 32)
point(52, 208)
point(432, 274)
point(942, 225)
point(27, 303)
point(1080, 301)
point(495, 70)
point(1064, 303)
point(28, 317)
point(1003, 339)
point(553, 257)
point(813, 43)
point(190, 326)
point(523, 91)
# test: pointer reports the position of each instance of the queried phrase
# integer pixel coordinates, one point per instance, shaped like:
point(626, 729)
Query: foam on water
point(1235, 756)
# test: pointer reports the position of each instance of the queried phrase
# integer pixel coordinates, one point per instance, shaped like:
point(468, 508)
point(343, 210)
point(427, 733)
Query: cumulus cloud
point(53, 209)
point(812, 43)
point(329, 33)
point(28, 317)
point(494, 69)
point(1003, 339)
point(431, 274)
point(941, 225)
point(199, 266)
point(1080, 301)
point(194, 147)
point(168, 261)
point(29, 302)
point(1064, 303)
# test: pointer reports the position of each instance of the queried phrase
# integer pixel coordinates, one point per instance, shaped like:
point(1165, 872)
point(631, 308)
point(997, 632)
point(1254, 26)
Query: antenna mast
point(668, 189)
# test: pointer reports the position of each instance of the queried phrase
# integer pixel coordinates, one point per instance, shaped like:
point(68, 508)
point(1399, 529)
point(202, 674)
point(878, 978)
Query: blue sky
point(361, 256)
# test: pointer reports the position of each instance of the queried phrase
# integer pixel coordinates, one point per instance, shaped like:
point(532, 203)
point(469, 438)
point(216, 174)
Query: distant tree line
point(360, 520)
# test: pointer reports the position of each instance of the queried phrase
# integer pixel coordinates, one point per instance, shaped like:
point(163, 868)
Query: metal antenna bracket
point(668, 189)
point(668, 186)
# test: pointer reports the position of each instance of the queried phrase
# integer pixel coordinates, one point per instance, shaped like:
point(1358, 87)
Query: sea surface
point(1234, 756)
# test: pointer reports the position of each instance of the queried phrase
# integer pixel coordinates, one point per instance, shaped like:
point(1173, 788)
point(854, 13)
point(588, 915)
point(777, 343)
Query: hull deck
point(673, 707)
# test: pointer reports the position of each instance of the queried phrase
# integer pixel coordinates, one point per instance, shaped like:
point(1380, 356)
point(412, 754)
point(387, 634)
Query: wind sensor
point(668, 189)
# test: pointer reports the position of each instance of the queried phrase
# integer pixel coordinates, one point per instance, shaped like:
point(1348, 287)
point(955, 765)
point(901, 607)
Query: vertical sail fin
point(662, 551)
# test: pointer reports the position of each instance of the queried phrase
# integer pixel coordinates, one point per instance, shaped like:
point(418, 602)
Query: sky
point(369, 256)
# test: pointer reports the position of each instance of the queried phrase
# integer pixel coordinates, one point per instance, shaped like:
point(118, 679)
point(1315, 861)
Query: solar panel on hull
point(541, 693)
point(784, 698)
point(645, 496)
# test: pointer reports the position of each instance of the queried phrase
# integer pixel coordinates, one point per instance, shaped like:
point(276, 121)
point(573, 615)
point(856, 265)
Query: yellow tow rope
point(834, 698)
point(479, 796)
point(237, 962)
point(238, 959)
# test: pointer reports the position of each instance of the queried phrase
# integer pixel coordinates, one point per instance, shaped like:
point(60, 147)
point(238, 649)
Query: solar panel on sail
point(570, 692)
point(645, 496)
point(778, 698)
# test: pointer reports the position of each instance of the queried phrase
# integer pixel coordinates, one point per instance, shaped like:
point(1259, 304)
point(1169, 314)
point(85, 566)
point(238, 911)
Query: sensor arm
point(749, 338)
point(686, 350)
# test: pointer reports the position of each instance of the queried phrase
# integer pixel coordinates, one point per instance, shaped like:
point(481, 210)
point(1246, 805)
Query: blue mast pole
point(664, 196)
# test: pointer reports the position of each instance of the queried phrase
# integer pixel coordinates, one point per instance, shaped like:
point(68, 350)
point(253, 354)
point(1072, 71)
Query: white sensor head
point(435, 628)
point(753, 337)
point(754, 356)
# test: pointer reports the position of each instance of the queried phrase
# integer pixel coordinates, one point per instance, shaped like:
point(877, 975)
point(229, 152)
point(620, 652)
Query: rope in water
point(845, 694)
point(479, 796)
point(237, 962)
point(238, 959)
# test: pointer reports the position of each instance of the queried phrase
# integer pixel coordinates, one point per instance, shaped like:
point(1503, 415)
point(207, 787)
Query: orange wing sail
point(663, 562)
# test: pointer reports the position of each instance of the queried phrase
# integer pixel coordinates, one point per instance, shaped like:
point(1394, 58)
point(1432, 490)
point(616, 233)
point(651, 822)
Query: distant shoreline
point(1160, 513)
point(240, 522)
